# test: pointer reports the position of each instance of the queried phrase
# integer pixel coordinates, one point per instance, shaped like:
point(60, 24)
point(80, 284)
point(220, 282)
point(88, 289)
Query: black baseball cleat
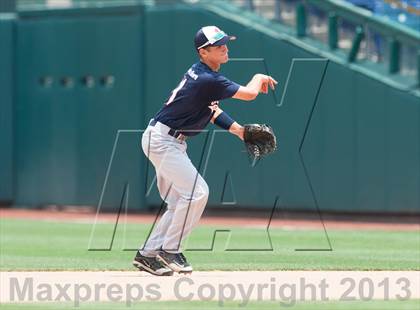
point(175, 261)
point(151, 265)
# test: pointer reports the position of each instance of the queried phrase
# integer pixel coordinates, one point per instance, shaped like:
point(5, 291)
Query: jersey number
point(175, 91)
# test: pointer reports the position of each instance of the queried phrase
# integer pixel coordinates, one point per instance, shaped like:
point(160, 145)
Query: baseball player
point(190, 107)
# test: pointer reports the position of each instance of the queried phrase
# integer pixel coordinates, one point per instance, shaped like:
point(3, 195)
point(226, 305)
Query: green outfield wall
point(6, 105)
point(88, 80)
point(79, 80)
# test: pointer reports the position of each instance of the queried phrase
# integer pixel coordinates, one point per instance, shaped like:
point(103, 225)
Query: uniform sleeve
point(223, 88)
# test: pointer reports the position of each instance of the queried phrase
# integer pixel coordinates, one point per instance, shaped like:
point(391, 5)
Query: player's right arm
point(258, 83)
point(227, 123)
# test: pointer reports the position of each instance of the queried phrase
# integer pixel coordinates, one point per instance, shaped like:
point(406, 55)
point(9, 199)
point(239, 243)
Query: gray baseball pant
point(180, 186)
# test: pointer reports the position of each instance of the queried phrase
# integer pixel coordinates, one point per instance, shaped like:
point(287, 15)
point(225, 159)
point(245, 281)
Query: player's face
point(218, 54)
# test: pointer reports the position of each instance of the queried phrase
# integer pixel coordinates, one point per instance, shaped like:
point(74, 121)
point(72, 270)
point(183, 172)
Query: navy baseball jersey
point(192, 103)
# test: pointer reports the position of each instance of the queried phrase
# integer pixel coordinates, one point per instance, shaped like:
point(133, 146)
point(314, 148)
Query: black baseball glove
point(259, 140)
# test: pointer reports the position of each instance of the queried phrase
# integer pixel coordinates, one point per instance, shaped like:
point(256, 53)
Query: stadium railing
point(361, 34)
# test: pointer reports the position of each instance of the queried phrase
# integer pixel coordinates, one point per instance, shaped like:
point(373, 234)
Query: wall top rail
point(126, 7)
point(77, 5)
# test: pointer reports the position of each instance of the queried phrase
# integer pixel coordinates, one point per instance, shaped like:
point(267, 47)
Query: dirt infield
point(243, 219)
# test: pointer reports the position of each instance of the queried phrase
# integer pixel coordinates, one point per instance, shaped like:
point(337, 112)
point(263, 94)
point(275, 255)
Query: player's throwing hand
point(267, 81)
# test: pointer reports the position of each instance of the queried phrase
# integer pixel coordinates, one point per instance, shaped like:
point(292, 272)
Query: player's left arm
point(223, 120)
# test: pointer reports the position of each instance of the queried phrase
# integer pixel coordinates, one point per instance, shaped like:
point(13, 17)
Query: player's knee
point(205, 189)
point(202, 191)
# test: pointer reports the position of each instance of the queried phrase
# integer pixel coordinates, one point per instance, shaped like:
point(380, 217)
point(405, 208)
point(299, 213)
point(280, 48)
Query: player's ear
point(202, 52)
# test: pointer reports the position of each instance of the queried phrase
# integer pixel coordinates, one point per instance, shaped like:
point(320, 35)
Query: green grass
point(50, 245)
point(203, 305)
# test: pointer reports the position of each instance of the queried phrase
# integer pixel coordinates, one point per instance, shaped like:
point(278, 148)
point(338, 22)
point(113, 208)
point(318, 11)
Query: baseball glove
point(259, 140)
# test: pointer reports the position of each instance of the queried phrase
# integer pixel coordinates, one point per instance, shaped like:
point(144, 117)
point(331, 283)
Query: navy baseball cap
point(211, 36)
